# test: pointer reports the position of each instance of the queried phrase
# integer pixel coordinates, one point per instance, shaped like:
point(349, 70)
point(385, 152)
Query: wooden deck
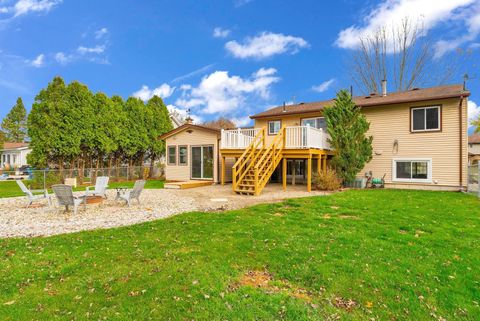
point(188, 184)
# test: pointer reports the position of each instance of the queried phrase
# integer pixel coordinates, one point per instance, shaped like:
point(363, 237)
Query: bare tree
point(402, 54)
point(220, 123)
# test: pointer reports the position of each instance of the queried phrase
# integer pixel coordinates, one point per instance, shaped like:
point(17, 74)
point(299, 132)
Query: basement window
point(412, 170)
point(425, 119)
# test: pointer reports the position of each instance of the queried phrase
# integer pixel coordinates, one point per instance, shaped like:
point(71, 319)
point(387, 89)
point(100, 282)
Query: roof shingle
point(414, 95)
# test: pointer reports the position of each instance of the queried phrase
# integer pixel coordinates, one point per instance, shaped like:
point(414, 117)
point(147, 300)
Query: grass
point(357, 255)
point(11, 189)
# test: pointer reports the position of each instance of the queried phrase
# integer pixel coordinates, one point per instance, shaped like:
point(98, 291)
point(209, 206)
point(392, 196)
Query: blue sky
point(229, 57)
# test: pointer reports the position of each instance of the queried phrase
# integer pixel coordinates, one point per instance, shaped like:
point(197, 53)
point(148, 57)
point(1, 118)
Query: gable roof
point(474, 139)
point(14, 145)
point(187, 126)
point(414, 95)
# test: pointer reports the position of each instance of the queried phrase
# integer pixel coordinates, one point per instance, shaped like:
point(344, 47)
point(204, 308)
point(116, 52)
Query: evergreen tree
point(347, 127)
point(14, 124)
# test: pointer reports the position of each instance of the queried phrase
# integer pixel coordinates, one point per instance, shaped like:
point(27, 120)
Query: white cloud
point(264, 45)
point(93, 50)
point(473, 111)
point(99, 34)
point(163, 91)
point(221, 93)
point(38, 62)
point(4, 10)
point(242, 121)
point(239, 3)
point(23, 7)
point(221, 33)
point(193, 73)
point(391, 12)
point(62, 58)
point(324, 86)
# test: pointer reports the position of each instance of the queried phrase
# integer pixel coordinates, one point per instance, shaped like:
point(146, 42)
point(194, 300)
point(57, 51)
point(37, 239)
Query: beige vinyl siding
point(390, 123)
point(288, 120)
point(197, 137)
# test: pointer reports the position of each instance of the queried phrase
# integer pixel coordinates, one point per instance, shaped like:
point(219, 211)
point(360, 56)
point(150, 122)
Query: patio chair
point(34, 194)
point(134, 193)
point(100, 188)
point(65, 197)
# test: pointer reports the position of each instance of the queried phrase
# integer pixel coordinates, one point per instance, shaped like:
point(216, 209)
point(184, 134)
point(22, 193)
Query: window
point(182, 155)
point(425, 119)
point(317, 122)
point(412, 170)
point(274, 127)
point(172, 155)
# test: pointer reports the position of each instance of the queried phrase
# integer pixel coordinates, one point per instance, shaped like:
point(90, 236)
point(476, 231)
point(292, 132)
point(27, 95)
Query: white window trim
point(310, 118)
point(412, 180)
point(272, 121)
point(425, 120)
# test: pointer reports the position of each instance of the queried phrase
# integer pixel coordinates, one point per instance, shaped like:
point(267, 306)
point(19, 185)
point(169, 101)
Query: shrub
point(326, 181)
point(51, 178)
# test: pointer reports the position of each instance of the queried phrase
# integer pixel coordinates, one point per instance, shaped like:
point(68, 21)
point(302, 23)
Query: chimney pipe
point(284, 107)
point(384, 87)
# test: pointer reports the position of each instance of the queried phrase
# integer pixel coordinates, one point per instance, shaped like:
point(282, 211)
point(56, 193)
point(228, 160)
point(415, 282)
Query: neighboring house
point(419, 141)
point(14, 155)
point(176, 119)
point(474, 149)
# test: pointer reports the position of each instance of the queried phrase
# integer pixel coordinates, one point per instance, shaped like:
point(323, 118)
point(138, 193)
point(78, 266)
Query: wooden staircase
point(254, 168)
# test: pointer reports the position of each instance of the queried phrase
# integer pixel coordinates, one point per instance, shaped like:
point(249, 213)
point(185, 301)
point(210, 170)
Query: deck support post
point(223, 171)
point(294, 171)
point(284, 173)
point(309, 174)
point(324, 164)
point(319, 164)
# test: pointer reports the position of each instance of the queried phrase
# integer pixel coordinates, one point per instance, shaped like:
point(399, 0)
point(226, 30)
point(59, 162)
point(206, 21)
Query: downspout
point(460, 121)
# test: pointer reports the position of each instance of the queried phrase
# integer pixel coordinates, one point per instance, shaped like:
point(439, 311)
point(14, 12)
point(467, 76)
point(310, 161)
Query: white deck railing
point(238, 138)
point(306, 137)
point(296, 137)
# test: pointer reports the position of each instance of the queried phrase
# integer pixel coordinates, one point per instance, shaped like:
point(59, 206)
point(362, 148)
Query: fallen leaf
point(369, 304)
point(9, 303)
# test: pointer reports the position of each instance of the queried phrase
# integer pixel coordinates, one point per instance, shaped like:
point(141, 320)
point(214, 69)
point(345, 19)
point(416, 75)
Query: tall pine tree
point(14, 124)
point(347, 127)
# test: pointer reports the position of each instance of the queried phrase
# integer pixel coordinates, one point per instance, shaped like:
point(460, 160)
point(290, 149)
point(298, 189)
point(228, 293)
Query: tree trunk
point(152, 163)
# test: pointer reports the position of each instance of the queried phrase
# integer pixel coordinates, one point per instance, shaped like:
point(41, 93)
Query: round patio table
point(120, 191)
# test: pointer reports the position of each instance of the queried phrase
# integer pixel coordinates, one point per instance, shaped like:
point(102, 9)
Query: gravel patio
point(18, 221)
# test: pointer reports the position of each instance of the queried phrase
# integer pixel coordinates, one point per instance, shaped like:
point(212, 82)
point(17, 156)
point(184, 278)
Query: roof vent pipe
point(384, 87)
point(284, 107)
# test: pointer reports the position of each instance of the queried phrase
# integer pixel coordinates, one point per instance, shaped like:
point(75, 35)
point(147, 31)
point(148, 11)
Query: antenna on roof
point(465, 79)
point(351, 91)
point(284, 107)
point(293, 100)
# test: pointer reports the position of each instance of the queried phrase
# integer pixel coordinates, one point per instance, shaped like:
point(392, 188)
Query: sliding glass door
point(202, 162)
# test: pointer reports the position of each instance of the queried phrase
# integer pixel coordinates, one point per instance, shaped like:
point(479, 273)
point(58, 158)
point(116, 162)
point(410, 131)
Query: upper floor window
point(274, 127)
point(425, 119)
point(316, 122)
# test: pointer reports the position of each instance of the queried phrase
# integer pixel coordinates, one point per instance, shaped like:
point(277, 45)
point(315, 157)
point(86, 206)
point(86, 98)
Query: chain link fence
point(473, 181)
point(42, 179)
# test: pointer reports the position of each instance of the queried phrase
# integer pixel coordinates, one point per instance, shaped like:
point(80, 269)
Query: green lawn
point(357, 255)
point(11, 189)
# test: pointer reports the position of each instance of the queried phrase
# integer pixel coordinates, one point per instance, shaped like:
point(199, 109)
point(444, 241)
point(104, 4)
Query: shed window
point(172, 155)
point(182, 155)
point(425, 119)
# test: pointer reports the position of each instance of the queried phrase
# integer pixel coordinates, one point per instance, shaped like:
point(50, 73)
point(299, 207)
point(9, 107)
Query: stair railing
point(248, 158)
point(269, 161)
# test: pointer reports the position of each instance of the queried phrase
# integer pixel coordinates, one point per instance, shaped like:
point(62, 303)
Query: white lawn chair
point(100, 188)
point(34, 194)
point(65, 197)
point(133, 193)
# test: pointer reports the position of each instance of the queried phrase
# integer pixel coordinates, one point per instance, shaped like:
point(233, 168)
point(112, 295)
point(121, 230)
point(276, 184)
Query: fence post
point(478, 179)
point(128, 169)
point(44, 180)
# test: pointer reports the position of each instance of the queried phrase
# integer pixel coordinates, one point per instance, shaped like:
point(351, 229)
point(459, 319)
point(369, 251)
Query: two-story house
point(419, 141)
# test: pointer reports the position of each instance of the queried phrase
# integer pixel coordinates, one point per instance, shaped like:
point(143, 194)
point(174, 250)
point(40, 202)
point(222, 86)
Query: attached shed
point(192, 153)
